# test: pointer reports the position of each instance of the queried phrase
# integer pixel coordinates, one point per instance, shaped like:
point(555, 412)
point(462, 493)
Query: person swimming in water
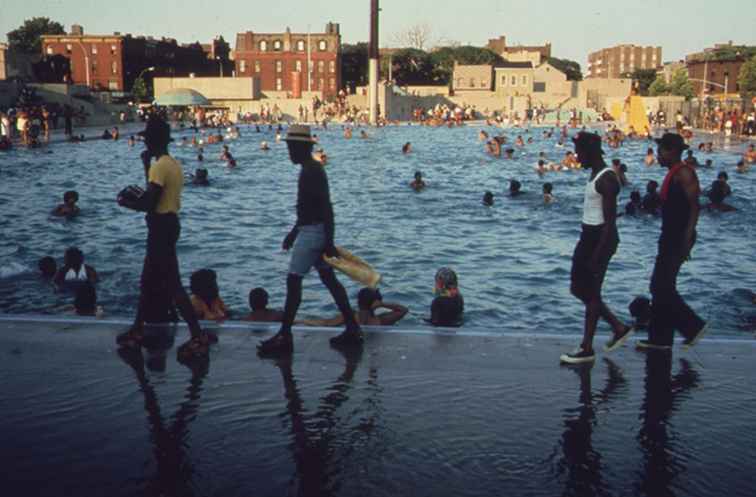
point(548, 196)
point(651, 200)
point(205, 297)
point(74, 270)
point(448, 306)
point(716, 196)
point(368, 302)
point(650, 159)
point(47, 267)
point(488, 199)
point(258, 304)
point(200, 177)
point(418, 184)
point(515, 188)
point(68, 208)
point(406, 148)
point(634, 207)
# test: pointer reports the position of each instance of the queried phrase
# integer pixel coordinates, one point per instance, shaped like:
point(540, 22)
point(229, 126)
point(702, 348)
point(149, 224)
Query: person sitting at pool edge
point(68, 208)
point(418, 184)
point(205, 297)
point(368, 301)
point(74, 270)
point(258, 304)
point(448, 307)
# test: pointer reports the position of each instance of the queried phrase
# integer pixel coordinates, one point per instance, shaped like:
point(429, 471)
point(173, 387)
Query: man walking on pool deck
point(311, 237)
point(679, 194)
point(162, 201)
point(598, 243)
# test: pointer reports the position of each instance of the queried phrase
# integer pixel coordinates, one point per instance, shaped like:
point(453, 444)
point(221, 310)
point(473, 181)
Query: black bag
point(129, 196)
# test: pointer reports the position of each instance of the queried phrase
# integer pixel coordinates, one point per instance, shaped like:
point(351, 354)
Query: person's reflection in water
point(174, 470)
point(580, 460)
point(661, 463)
point(315, 439)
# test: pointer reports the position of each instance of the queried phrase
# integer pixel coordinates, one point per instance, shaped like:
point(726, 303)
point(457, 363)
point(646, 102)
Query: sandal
point(278, 344)
point(617, 341)
point(131, 339)
point(195, 348)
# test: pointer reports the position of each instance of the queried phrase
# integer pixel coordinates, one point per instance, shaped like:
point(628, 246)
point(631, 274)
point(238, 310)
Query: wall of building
point(212, 88)
point(467, 77)
point(96, 61)
point(616, 61)
point(514, 81)
point(592, 92)
point(720, 73)
point(280, 60)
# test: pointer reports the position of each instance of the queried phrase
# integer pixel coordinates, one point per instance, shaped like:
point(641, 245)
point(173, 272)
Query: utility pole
point(309, 61)
point(373, 62)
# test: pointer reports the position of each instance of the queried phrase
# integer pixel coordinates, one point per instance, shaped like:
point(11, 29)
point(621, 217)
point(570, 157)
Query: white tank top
point(593, 210)
point(81, 275)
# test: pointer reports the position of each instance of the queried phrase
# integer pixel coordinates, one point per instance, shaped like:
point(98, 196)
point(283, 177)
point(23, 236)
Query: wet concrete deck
point(415, 413)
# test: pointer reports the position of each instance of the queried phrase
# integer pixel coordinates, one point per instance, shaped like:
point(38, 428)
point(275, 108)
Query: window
point(322, 45)
point(310, 65)
point(242, 65)
point(277, 45)
point(524, 81)
point(257, 66)
point(539, 87)
point(503, 80)
point(49, 51)
point(263, 46)
point(514, 80)
point(114, 67)
point(300, 46)
point(279, 84)
point(298, 66)
point(113, 49)
point(279, 66)
point(94, 49)
point(321, 86)
point(68, 47)
point(321, 66)
point(333, 84)
point(94, 65)
point(472, 82)
point(484, 83)
point(113, 85)
point(332, 66)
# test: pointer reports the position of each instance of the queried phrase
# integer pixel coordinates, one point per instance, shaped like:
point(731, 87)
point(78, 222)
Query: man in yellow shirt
point(160, 274)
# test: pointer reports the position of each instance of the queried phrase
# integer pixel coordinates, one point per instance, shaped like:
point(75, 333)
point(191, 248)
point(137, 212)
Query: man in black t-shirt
point(311, 237)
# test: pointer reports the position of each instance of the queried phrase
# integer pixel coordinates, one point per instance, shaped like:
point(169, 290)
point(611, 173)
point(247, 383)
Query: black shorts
point(582, 276)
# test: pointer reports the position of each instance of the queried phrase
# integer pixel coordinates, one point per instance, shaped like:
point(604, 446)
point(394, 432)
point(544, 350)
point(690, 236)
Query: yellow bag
point(354, 267)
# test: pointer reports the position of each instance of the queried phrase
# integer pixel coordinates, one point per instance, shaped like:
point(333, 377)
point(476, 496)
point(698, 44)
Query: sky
point(574, 27)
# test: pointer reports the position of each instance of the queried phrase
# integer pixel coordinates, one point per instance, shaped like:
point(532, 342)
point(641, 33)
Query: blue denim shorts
point(308, 250)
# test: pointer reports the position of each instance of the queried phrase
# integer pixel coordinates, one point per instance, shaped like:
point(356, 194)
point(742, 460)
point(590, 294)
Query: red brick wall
point(104, 55)
point(326, 67)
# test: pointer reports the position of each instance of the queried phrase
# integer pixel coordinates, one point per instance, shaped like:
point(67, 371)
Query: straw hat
point(299, 133)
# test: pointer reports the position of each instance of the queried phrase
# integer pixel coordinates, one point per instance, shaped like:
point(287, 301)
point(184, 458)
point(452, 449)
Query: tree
point(417, 36)
point(680, 85)
point(410, 66)
point(354, 64)
point(569, 67)
point(27, 38)
point(139, 90)
point(747, 79)
point(645, 78)
point(658, 87)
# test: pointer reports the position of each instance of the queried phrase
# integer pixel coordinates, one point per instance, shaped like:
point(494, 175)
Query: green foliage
point(354, 64)
point(27, 38)
point(139, 90)
point(443, 60)
point(658, 87)
point(731, 53)
point(569, 67)
point(645, 78)
point(411, 66)
point(747, 79)
point(680, 85)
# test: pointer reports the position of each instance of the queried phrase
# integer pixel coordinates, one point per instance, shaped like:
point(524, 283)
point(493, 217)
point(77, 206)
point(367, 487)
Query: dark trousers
point(161, 280)
point(669, 312)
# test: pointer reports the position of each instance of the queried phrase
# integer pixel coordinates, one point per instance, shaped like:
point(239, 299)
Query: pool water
point(513, 259)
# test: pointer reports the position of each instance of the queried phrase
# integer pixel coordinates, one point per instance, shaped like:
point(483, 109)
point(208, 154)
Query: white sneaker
point(577, 356)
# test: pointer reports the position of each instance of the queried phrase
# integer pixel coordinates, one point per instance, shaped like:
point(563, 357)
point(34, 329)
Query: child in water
point(205, 296)
point(448, 307)
point(258, 303)
point(548, 197)
point(418, 184)
point(68, 208)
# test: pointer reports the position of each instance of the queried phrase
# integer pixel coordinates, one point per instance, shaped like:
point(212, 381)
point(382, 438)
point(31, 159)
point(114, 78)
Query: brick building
point(113, 62)
point(535, 54)
point(621, 60)
point(719, 66)
point(279, 60)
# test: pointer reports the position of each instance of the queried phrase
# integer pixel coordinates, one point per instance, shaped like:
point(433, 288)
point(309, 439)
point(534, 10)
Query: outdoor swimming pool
point(513, 259)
